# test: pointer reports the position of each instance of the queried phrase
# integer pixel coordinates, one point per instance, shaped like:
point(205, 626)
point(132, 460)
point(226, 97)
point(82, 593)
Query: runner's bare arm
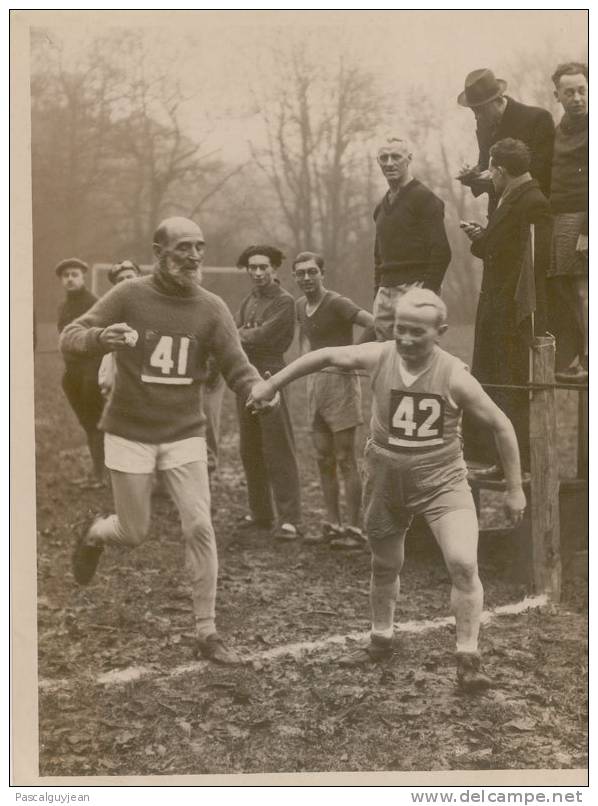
point(472, 399)
point(360, 356)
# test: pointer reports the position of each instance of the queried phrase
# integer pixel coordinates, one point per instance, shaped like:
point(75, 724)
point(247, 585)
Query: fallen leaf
point(521, 724)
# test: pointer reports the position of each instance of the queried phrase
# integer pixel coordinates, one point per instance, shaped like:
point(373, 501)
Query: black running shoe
point(85, 557)
point(214, 648)
point(378, 650)
point(469, 674)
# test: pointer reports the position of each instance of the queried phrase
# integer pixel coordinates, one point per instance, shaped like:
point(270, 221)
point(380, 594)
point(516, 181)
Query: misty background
point(264, 127)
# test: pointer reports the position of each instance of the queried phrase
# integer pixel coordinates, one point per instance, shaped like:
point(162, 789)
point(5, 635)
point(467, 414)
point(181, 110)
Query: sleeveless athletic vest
point(417, 418)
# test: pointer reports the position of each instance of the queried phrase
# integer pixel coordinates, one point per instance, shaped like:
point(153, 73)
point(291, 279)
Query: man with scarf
point(163, 328)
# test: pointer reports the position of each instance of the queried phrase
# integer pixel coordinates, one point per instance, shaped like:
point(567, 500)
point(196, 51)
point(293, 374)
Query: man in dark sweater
point(411, 247)
point(498, 117)
point(163, 328)
point(80, 379)
point(266, 322)
point(568, 284)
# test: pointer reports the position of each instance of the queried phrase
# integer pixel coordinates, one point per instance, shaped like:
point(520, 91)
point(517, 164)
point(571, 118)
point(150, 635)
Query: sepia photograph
point(304, 297)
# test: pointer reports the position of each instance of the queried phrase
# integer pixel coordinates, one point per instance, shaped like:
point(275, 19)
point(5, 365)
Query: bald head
point(179, 248)
point(422, 302)
point(174, 228)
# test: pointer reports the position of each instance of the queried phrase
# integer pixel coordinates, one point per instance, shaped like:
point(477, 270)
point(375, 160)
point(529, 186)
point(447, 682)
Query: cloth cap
point(71, 262)
point(481, 86)
point(115, 270)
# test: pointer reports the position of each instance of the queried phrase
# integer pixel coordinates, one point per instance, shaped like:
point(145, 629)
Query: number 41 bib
point(168, 358)
point(416, 419)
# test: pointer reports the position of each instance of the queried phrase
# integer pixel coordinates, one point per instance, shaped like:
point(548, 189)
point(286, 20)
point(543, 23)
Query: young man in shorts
point(163, 328)
point(333, 398)
point(414, 464)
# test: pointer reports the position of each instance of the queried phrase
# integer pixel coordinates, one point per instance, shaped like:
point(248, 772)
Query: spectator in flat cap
point(497, 117)
point(71, 262)
point(80, 379)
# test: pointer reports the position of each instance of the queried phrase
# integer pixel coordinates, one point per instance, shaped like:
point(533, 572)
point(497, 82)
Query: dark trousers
point(267, 450)
point(80, 384)
point(501, 356)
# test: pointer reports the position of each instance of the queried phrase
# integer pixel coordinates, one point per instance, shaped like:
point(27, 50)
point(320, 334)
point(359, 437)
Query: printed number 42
point(404, 417)
point(162, 357)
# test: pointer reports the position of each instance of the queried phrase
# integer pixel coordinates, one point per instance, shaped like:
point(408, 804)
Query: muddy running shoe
point(378, 650)
point(469, 674)
point(330, 531)
point(351, 538)
point(86, 556)
point(214, 648)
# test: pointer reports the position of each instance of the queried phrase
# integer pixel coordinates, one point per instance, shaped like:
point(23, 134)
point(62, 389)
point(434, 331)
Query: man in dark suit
point(515, 248)
point(498, 116)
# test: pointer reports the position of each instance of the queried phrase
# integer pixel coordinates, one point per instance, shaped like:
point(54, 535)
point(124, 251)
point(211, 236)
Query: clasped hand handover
point(118, 336)
point(263, 397)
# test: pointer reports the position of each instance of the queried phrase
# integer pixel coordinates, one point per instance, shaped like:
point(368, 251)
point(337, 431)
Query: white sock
point(388, 633)
point(204, 627)
point(102, 531)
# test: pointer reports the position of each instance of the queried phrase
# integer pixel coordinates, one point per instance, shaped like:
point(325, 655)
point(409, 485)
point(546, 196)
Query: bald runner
point(414, 465)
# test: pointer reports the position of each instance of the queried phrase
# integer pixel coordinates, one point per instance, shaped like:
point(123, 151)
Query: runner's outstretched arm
point(469, 395)
point(361, 356)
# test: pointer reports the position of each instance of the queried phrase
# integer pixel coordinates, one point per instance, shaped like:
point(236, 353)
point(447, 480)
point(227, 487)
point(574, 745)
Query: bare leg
point(344, 450)
point(457, 535)
point(324, 444)
point(388, 555)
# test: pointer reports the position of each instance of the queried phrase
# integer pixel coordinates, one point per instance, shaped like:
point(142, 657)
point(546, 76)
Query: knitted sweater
point(266, 320)
point(411, 243)
point(157, 390)
point(75, 304)
point(570, 167)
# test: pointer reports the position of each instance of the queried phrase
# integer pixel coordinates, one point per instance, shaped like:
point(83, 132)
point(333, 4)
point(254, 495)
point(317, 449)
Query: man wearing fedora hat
point(80, 379)
point(498, 116)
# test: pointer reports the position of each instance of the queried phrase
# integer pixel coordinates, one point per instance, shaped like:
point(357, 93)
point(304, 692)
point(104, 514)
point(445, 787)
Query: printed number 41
point(162, 358)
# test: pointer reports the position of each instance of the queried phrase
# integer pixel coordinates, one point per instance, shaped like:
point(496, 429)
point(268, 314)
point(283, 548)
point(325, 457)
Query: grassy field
point(300, 711)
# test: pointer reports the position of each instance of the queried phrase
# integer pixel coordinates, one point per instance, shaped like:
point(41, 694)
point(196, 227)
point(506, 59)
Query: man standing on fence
point(411, 247)
point(163, 328)
point(497, 117)
point(515, 248)
point(80, 379)
point(568, 273)
point(414, 465)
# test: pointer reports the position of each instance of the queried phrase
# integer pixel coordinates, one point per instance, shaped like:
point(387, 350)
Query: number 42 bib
point(168, 358)
point(416, 419)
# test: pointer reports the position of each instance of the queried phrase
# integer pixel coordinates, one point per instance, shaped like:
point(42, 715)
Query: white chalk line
point(132, 674)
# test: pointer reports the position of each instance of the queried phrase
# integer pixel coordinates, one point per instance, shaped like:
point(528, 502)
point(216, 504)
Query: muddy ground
point(293, 712)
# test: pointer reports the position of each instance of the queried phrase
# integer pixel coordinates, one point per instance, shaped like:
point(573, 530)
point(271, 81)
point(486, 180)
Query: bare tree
point(315, 123)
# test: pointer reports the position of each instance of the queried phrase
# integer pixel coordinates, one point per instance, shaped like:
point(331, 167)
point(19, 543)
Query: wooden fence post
point(546, 553)
point(582, 435)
